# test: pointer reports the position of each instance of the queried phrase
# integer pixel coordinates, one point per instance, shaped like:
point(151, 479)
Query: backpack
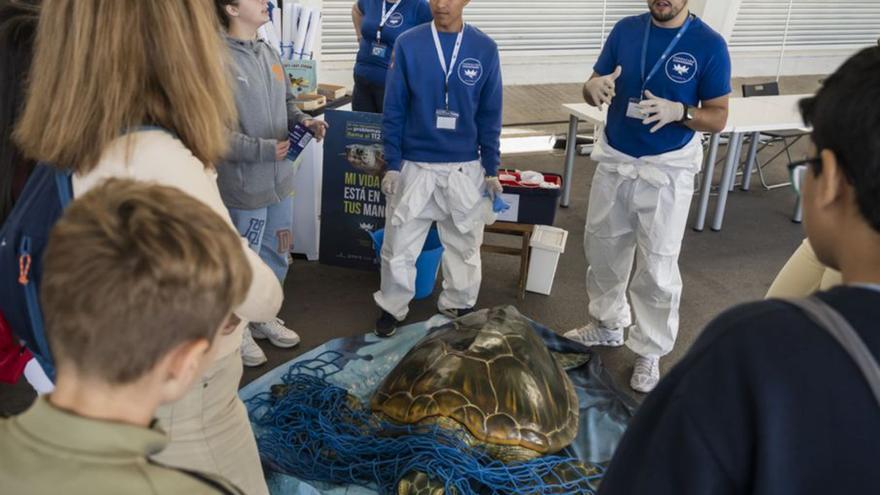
point(13, 355)
point(23, 239)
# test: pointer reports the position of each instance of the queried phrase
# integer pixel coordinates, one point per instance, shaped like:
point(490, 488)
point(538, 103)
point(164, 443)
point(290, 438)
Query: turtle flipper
point(419, 483)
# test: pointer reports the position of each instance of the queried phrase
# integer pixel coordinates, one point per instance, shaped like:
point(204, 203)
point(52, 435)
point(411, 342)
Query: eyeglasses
point(798, 170)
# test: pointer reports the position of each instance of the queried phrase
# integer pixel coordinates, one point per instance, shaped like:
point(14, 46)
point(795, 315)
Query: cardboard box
point(306, 102)
point(332, 91)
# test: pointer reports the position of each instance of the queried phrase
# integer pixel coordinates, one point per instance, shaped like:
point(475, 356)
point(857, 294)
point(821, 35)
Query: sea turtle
point(368, 158)
point(489, 376)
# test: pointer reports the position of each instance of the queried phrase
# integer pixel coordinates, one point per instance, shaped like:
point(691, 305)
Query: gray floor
point(719, 270)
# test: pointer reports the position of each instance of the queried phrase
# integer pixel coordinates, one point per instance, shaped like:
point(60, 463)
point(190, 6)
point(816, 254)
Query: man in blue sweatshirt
point(442, 132)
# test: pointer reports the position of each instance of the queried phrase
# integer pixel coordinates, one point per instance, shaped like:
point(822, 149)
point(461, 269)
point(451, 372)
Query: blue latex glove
point(498, 203)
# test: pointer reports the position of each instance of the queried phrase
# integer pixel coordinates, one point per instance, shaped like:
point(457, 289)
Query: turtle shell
point(493, 374)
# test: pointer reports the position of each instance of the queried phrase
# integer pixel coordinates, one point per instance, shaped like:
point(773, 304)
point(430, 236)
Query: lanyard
point(447, 71)
point(666, 53)
point(385, 17)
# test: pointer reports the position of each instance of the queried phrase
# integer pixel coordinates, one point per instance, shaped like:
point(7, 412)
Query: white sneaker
point(594, 334)
point(276, 332)
point(251, 354)
point(646, 374)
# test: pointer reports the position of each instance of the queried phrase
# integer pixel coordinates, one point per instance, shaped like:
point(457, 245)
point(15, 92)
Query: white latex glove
point(493, 187)
point(663, 112)
point(389, 182)
point(602, 89)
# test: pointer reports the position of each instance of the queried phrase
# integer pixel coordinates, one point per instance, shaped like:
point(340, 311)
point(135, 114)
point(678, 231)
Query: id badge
point(633, 110)
point(379, 49)
point(446, 120)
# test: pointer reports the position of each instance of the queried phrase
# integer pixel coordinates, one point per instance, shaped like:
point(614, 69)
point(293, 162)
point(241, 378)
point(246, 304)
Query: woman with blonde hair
point(139, 90)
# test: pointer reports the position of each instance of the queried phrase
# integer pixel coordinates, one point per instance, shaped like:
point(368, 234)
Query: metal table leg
point(570, 149)
point(755, 140)
point(798, 216)
point(736, 162)
point(708, 174)
point(727, 177)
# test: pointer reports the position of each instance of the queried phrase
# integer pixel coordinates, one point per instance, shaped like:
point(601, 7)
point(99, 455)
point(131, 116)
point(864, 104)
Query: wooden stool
point(523, 230)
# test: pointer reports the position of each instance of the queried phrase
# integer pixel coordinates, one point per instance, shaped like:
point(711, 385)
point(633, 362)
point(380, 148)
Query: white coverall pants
point(639, 207)
point(450, 194)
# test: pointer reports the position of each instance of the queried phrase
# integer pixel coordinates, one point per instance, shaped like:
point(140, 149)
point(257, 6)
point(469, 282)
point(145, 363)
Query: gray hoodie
point(250, 177)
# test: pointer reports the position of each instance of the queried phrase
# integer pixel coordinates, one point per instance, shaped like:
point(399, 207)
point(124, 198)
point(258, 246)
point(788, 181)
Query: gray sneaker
point(251, 354)
point(274, 330)
point(595, 335)
point(646, 374)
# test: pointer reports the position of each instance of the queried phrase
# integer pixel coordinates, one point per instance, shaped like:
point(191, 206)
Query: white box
point(547, 243)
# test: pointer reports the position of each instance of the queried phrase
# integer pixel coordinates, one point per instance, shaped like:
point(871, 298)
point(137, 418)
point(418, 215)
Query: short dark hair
point(845, 116)
point(221, 11)
point(133, 270)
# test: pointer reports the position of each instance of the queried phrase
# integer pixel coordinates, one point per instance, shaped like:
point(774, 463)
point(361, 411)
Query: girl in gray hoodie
point(256, 179)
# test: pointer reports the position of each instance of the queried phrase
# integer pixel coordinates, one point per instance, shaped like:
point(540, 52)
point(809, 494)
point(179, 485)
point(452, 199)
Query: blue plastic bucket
point(427, 264)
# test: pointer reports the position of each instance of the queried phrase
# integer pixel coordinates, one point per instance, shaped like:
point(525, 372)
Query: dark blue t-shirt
point(409, 14)
point(698, 69)
point(765, 403)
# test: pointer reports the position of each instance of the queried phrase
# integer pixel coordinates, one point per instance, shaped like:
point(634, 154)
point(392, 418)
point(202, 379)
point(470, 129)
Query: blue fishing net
point(316, 431)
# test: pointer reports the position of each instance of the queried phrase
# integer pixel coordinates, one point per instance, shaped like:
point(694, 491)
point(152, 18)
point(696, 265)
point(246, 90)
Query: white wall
point(567, 67)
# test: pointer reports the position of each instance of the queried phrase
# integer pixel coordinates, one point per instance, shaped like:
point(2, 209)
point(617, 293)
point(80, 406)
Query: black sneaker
point(457, 313)
point(386, 325)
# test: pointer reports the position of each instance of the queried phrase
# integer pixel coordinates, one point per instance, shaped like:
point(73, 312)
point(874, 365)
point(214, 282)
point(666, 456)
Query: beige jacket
point(158, 157)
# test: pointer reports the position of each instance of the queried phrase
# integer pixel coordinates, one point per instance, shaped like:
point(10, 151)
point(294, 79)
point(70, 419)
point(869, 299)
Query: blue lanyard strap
point(666, 53)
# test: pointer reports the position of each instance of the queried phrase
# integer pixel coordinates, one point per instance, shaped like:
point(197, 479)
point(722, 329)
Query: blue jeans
point(269, 232)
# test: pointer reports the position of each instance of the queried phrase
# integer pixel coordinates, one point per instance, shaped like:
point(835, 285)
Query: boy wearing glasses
point(767, 401)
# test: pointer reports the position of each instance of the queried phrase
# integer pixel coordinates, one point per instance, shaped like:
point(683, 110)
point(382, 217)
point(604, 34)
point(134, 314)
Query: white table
point(746, 116)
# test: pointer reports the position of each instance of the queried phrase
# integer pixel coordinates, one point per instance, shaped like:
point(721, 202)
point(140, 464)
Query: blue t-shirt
point(698, 69)
point(414, 93)
point(409, 14)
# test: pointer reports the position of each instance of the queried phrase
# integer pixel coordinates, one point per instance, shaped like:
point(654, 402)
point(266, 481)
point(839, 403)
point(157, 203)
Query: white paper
point(312, 34)
point(267, 34)
point(512, 213)
point(287, 20)
point(276, 22)
point(302, 28)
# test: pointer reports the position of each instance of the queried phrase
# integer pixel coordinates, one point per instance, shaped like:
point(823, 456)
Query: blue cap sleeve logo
point(470, 71)
point(681, 67)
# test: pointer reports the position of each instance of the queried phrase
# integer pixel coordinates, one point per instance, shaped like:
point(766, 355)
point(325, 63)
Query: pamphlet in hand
point(300, 137)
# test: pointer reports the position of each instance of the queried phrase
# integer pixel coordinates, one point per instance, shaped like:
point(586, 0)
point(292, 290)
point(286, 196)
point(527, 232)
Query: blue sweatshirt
point(409, 14)
point(414, 93)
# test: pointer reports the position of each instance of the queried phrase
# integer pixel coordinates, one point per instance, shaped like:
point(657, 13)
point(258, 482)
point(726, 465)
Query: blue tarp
point(367, 359)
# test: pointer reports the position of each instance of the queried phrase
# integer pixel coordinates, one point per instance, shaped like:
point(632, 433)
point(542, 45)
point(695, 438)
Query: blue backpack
point(23, 239)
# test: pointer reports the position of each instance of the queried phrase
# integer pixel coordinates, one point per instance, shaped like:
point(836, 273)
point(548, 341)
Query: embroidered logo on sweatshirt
point(470, 71)
point(278, 71)
point(395, 21)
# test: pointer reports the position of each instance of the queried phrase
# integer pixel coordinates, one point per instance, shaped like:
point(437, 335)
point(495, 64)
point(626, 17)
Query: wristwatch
point(688, 113)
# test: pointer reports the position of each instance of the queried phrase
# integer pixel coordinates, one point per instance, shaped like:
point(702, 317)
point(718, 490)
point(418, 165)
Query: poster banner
point(352, 203)
point(302, 75)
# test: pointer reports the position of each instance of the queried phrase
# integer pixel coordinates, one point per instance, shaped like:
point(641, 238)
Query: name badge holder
point(379, 49)
point(633, 108)
point(447, 120)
